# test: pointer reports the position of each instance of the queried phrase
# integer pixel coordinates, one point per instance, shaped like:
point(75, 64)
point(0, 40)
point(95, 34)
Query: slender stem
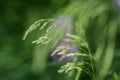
point(83, 50)
point(78, 74)
point(91, 63)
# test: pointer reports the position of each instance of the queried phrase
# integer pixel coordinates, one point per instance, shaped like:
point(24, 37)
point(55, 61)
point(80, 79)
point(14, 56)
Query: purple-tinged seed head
point(72, 49)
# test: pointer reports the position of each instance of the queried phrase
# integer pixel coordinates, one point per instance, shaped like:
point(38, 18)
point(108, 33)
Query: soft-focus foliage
point(94, 31)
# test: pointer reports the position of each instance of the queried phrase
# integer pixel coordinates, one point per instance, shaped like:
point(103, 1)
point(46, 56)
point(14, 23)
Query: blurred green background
point(16, 55)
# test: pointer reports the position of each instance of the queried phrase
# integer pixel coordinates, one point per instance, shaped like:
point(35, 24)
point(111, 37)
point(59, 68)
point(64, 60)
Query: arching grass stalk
point(83, 43)
point(91, 61)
